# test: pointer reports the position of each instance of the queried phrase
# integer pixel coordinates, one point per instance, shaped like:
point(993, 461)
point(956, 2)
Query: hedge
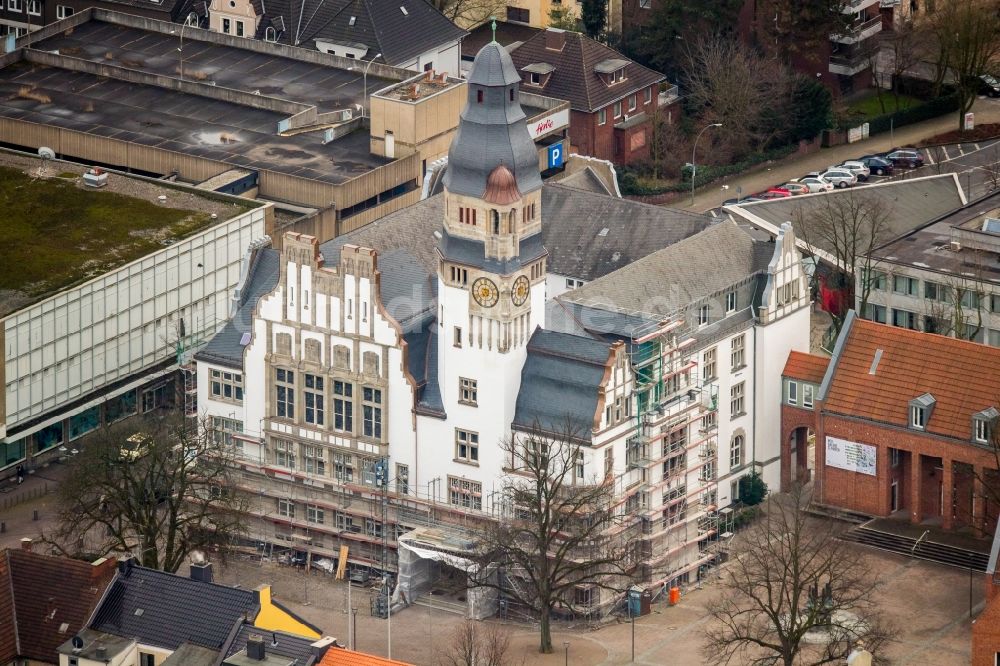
point(629, 184)
point(934, 108)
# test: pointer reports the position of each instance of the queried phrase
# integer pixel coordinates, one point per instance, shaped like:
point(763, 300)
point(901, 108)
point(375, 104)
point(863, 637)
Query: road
point(987, 111)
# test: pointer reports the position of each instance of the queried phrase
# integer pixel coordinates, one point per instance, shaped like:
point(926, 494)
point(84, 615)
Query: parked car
point(774, 193)
point(989, 85)
point(858, 168)
point(877, 164)
point(839, 177)
point(796, 188)
point(816, 184)
point(906, 157)
point(135, 447)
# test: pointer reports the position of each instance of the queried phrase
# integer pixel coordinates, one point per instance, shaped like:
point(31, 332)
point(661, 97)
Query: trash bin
point(675, 596)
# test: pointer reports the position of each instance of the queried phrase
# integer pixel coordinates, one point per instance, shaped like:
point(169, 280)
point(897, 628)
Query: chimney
point(320, 647)
point(255, 647)
point(26, 544)
point(102, 565)
point(201, 571)
point(101, 653)
point(555, 39)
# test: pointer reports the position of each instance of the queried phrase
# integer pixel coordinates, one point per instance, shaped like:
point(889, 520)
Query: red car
point(774, 193)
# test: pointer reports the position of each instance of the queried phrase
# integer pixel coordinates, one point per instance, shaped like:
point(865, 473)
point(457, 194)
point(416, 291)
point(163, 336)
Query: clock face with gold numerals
point(519, 293)
point(485, 291)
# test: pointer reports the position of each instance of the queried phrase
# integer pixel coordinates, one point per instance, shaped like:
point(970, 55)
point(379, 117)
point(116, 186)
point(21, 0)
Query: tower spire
point(493, 26)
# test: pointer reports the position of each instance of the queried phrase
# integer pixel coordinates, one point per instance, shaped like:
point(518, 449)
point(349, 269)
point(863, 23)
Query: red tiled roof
point(8, 631)
point(343, 657)
point(46, 593)
point(963, 377)
point(807, 367)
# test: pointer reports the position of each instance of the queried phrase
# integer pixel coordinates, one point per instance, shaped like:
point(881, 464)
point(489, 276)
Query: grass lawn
point(868, 106)
point(56, 234)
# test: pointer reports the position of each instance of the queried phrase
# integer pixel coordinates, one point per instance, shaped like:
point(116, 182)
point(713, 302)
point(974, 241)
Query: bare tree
point(477, 644)
point(470, 13)
point(846, 228)
point(907, 44)
point(957, 306)
point(552, 535)
point(967, 33)
point(731, 83)
point(794, 594)
point(159, 489)
point(992, 168)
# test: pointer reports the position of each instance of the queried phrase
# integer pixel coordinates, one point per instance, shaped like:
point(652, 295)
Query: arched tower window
point(496, 221)
point(479, 96)
point(270, 35)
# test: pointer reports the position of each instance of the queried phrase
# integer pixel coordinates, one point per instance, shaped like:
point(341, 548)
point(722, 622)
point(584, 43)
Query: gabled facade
point(612, 99)
point(378, 384)
point(903, 422)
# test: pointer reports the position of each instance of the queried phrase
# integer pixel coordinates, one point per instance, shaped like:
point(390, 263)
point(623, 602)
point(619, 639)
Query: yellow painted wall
point(273, 618)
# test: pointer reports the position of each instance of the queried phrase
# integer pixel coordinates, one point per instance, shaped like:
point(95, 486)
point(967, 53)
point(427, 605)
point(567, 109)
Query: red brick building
point(903, 424)
point(612, 99)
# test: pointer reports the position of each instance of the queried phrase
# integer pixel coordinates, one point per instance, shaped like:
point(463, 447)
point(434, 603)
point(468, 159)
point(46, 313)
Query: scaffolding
point(672, 457)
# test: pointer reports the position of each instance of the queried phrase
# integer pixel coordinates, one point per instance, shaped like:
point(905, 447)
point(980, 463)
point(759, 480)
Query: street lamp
point(180, 49)
point(566, 645)
point(364, 106)
point(694, 150)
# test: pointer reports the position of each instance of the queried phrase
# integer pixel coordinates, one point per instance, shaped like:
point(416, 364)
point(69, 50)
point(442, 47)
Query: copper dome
point(501, 187)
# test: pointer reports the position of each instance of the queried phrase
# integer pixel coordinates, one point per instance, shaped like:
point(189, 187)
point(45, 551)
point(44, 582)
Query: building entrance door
point(894, 497)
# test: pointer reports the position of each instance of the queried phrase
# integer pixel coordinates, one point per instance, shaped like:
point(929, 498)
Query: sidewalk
point(711, 196)
point(19, 502)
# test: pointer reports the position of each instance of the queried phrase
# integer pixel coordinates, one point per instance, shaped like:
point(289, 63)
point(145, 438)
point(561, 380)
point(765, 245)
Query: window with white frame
point(903, 284)
point(62, 11)
point(227, 25)
point(343, 467)
point(982, 425)
point(578, 460)
point(226, 385)
point(315, 514)
point(286, 508)
point(807, 395)
point(372, 412)
point(647, 95)
point(35, 7)
point(982, 434)
point(223, 430)
point(602, 117)
point(468, 391)
point(792, 392)
point(315, 399)
point(709, 421)
point(617, 110)
point(736, 349)
point(708, 367)
point(731, 301)
point(536, 453)
point(465, 493)
point(466, 446)
point(736, 447)
point(270, 34)
point(904, 319)
point(284, 453)
point(703, 315)
point(918, 417)
point(284, 381)
point(314, 459)
point(239, 33)
point(14, 5)
point(736, 397)
point(632, 102)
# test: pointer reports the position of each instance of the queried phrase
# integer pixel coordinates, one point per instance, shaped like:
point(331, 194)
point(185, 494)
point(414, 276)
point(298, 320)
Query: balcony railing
point(857, 32)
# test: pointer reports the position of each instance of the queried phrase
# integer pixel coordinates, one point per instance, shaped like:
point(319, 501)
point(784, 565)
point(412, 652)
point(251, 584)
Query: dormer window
point(538, 73)
point(535, 78)
point(982, 425)
point(920, 411)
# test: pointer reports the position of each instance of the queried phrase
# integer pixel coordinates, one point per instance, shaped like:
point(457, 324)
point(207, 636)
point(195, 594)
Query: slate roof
point(166, 610)
point(585, 179)
point(574, 78)
point(378, 24)
point(807, 367)
point(961, 376)
point(909, 205)
point(506, 35)
point(225, 348)
point(559, 383)
point(191, 655)
point(38, 595)
point(665, 281)
point(572, 226)
point(278, 643)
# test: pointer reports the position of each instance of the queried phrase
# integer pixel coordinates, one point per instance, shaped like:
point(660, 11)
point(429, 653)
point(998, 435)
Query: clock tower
point(491, 276)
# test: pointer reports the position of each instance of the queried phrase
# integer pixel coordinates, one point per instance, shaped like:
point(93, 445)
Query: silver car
point(859, 169)
point(839, 177)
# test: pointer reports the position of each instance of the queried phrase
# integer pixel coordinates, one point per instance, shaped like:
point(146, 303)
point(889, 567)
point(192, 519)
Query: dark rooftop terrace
point(327, 88)
point(148, 115)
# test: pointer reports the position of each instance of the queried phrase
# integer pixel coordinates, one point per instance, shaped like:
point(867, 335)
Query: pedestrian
point(20, 474)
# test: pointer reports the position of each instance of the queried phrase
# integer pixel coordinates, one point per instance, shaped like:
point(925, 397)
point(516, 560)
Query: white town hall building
point(425, 339)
